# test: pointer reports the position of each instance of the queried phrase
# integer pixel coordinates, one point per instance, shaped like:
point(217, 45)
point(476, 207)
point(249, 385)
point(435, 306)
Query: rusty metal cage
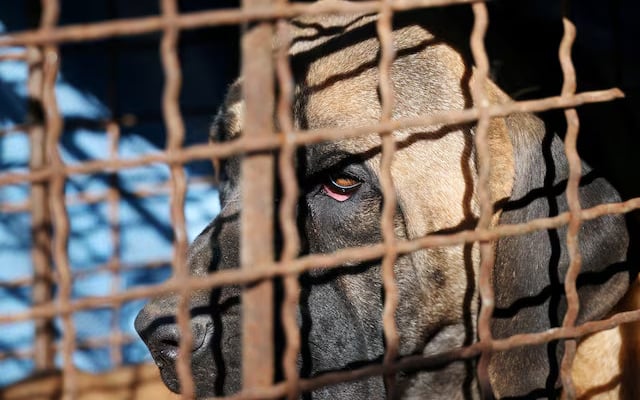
point(48, 173)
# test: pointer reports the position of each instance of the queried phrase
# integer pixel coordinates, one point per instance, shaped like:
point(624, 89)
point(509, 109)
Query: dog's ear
point(530, 269)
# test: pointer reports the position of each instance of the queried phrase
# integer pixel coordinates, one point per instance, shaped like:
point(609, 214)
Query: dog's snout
point(161, 333)
point(214, 318)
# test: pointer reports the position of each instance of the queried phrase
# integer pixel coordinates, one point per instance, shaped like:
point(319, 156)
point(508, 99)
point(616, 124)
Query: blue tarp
point(111, 79)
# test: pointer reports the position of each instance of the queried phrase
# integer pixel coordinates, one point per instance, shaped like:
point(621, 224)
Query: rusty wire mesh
point(47, 177)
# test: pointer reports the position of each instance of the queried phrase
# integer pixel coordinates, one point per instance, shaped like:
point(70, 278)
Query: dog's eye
point(340, 187)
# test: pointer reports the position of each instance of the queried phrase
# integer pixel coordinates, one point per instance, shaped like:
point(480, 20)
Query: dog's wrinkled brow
point(325, 157)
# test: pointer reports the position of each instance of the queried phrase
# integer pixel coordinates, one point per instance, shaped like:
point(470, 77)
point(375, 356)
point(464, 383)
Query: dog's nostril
point(170, 342)
point(162, 335)
point(168, 349)
point(164, 341)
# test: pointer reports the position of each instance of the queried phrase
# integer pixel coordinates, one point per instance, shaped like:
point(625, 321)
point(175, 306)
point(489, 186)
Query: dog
point(334, 59)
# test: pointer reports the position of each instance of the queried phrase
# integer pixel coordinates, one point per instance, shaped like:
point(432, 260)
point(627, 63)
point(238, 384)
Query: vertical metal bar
point(575, 172)
point(54, 130)
point(384, 29)
point(114, 194)
point(487, 257)
point(256, 221)
point(40, 216)
point(175, 138)
point(288, 208)
point(113, 198)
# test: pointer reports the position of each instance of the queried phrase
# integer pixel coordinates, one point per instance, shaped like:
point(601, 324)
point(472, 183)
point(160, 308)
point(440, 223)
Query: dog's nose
point(161, 334)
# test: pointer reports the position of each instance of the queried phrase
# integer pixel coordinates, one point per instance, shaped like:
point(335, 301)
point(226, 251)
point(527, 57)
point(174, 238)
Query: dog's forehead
point(334, 59)
point(337, 155)
point(313, 32)
point(335, 63)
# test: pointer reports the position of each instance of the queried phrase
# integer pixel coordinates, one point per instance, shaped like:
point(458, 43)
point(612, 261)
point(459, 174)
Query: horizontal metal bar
point(241, 146)
point(203, 19)
point(423, 362)
point(326, 261)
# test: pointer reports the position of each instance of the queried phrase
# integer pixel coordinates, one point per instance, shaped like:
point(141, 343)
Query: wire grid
point(48, 175)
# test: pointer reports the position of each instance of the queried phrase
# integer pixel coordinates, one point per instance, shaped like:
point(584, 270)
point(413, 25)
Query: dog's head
point(335, 63)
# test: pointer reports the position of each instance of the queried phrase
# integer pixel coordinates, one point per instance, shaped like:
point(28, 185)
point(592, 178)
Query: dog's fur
point(335, 59)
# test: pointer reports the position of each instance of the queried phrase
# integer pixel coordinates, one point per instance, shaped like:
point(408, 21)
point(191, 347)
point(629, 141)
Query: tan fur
point(138, 382)
point(607, 363)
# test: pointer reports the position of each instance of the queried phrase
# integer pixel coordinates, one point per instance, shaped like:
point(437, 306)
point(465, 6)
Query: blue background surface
point(102, 80)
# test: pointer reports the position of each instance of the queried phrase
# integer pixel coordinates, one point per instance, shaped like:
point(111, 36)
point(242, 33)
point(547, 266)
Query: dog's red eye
point(341, 187)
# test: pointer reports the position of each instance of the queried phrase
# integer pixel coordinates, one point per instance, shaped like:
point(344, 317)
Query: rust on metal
point(256, 217)
point(114, 265)
point(14, 56)
point(106, 267)
point(84, 198)
point(60, 220)
point(384, 28)
point(38, 206)
point(203, 19)
point(244, 145)
point(85, 344)
point(288, 209)
point(481, 138)
point(418, 361)
point(175, 138)
point(325, 261)
point(575, 172)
